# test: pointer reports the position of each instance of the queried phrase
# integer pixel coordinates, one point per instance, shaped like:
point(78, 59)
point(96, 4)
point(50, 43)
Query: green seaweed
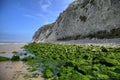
point(15, 58)
point(75, 62)
point(4, 58)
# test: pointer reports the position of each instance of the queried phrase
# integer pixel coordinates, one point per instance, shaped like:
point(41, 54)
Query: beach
point(17, 70)
point(10, 47)
point(13, 70)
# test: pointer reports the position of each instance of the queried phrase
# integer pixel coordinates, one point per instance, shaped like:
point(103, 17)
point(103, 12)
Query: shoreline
point(15, 70)
point(97, 42)
point(10, 47)
point(115, 40)
point(13, 43)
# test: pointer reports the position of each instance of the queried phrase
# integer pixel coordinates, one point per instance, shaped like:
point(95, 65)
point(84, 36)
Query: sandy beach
point(13, 70)
point(10, 47)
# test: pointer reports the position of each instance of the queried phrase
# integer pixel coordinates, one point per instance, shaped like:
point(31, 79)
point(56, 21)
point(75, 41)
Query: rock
point(43, 33)
point(83, 19)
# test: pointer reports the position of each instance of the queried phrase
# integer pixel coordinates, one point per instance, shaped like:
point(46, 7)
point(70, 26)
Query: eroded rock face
point(43, 33)
point(84, 18)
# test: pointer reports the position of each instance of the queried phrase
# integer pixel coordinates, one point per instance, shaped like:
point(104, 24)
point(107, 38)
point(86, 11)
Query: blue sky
point(19, 19)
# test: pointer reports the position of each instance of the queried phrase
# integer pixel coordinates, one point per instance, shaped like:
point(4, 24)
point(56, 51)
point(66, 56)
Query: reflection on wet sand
point(15, 71)
point(12, 70)
point(10, 47)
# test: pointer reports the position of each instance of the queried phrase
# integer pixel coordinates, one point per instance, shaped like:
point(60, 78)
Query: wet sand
point(13, 70)
point(10, 47)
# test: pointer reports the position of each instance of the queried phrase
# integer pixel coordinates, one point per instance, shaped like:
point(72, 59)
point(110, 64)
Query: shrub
point(83, 18)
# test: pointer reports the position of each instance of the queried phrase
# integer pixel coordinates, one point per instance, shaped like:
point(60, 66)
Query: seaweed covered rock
point(15, 58)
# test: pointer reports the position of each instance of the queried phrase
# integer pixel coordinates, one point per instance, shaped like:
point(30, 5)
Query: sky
point(19, 19)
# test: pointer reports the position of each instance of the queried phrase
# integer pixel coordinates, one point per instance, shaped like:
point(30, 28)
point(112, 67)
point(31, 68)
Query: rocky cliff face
point(43, 33)
point(84, 19)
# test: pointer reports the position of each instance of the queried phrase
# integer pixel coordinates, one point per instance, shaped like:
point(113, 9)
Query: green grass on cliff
point(75, 62)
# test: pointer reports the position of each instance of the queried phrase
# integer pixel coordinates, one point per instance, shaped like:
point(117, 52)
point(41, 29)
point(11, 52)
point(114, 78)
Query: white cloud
point(34, 16)
point(45, 4)
point(45, 7)
point(40, 15)
point(29, 16)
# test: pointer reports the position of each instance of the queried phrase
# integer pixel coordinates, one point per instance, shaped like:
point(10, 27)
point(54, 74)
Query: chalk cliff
point(83, 19)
